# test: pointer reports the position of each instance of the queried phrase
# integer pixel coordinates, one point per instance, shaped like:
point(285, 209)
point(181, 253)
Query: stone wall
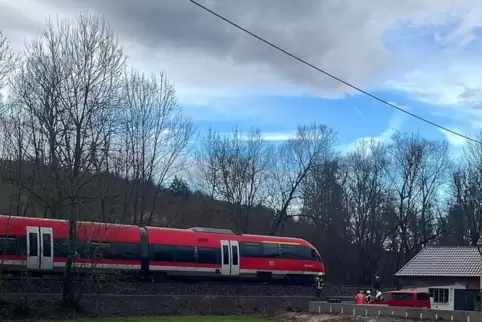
point(375, 311)
point(47, 306)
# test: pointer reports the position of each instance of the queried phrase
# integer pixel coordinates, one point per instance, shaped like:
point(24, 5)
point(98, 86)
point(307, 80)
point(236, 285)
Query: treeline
point(85, 137)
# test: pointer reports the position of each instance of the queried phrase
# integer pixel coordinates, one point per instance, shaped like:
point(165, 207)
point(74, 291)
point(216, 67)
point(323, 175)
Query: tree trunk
point(68, 282)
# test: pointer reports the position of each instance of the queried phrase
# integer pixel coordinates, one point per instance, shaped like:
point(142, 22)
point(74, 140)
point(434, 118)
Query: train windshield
point(315, 255)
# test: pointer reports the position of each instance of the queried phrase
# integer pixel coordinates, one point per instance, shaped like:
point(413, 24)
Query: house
point(451, 275)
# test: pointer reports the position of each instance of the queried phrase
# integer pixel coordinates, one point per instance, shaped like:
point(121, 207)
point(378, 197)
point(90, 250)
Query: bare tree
point(155, 139)
point(207, 164)
point(466, 189)
point(367, 193)
point(293, 161)
point(16, 141)
point(322, 195)
point(234, 168)
point(467, 192)
point(68, 86)
point(94, 245)
point(8, 60)
point(9, 121)
point(419, 169)
point(37, 88)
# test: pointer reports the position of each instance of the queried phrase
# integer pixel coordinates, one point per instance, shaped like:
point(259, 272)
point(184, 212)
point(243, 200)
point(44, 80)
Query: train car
point(103, 246)
point(216, 252)
point(41, 246)
point(28, 243)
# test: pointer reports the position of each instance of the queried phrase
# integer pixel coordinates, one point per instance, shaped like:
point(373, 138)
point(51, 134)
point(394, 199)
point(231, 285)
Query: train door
point(40, 248)
point(47, 248)
point(234, 257)
point(229, 257)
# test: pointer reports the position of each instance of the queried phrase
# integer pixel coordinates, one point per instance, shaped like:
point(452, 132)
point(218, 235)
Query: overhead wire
point(331, 75)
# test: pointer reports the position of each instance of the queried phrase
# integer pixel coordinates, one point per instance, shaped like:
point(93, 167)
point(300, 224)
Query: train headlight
point(319, 281)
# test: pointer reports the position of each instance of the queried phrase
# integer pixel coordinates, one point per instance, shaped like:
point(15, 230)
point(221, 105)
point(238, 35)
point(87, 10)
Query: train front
point(320, 269)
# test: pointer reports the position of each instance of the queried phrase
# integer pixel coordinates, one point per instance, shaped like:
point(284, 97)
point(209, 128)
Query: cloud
point(445, 83)
point(457, 144)
point(453, 139)
point(278, 136)
point(268, 136)
point(395, 123)
point(199, 51)
point(452, 91)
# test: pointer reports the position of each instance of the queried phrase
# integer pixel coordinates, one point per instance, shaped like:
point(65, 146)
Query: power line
point(331, 75)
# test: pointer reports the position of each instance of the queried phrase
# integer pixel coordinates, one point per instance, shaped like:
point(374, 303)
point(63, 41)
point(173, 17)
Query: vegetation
point(83, 137)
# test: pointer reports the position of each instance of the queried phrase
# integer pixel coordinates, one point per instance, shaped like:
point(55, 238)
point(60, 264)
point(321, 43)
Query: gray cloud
point(341, 36)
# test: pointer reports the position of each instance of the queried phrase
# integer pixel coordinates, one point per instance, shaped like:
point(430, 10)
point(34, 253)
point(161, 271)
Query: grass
point(180, 319)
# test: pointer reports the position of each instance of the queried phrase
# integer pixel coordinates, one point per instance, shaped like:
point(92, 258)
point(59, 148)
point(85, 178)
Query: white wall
point(441, 306)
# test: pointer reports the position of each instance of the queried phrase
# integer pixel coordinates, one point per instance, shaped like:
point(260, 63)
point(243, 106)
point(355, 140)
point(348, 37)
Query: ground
point(305, 317)
point(179, 319)
point(284, 317)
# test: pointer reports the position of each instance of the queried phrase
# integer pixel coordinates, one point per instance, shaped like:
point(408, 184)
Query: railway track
point(40, 286)
point(165, 295)
point(344, 299)
point(53, 285)
point(112, 279)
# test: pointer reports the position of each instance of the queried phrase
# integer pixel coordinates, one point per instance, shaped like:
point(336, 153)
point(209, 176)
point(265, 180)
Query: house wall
point(440, 305)
point(439, 284)
point(467, 282)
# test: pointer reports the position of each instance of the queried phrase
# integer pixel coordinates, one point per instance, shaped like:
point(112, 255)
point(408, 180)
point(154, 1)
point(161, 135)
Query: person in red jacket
point(360, 298)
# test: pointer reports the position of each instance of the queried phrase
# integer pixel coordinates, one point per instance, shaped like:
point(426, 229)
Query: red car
point(413, 299)
point(41, 246)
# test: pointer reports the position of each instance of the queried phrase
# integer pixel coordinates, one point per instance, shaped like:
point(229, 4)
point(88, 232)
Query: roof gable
point(444, 261)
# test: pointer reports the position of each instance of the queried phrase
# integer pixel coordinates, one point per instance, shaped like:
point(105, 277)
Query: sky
point(423, 56)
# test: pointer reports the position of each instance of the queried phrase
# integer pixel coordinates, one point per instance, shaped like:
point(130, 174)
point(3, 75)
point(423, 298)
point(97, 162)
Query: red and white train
point(41, 246)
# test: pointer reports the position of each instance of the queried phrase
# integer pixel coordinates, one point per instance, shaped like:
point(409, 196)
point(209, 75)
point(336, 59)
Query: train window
point(8, 246)
point(225, 255)
point(22, 246)
point(299, 252)
point(235, 255)
point(94, 249)
point(290, 252)
point(304, 253)
point(98, 249)
point(208, 255)
point(47, 245)
point(33, 244)
point(124, 251)
point(250, 249)
point(82, 248)
point(61, 247)
point(271, 250)
point(315, 256)
point(162, 253)
point(185, 254)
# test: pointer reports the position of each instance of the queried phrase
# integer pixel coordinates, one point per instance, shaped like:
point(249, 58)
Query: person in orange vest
point(360, 298)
